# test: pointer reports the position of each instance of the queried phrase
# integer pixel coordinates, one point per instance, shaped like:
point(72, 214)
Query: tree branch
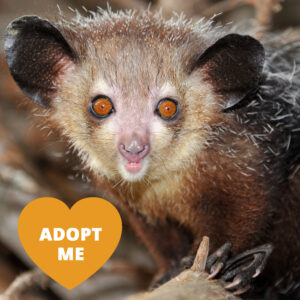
point(24, 282)
point(190, 284)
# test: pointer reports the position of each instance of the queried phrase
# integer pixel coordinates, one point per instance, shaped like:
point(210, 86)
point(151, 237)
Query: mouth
point(133, 170)
point(134, 166)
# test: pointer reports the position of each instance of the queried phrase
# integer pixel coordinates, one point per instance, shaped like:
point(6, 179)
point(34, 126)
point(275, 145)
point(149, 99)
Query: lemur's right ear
point(37, 53)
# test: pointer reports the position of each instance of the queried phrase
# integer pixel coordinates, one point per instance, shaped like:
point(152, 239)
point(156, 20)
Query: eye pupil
point(167, 108)
point(101, 106)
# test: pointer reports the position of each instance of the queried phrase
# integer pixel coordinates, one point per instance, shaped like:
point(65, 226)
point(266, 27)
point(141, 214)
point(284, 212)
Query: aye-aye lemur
point(195, 129)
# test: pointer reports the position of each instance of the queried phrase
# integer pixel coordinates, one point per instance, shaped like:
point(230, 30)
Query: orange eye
point(167, 108)
point(101, 106)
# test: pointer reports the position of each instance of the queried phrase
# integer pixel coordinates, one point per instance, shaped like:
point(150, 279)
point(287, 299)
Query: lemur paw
point(242, 268)
point(217, 260)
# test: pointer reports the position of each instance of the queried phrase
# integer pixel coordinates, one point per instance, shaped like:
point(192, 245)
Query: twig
point(23, 282)
point(265, 10)
point(130, 4)
point(196, 8)
point(221, 7)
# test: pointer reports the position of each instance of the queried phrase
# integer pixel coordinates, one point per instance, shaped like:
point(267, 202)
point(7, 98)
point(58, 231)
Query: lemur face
point(136, 96)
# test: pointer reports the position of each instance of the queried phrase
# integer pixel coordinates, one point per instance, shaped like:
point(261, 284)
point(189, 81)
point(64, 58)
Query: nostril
point(123, 148)
point(141, 149)
point(125, 153)
point(134, 153)
point(144, 149)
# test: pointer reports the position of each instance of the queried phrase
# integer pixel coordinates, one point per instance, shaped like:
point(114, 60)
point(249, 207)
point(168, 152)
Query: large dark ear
point(36, 53)
point(233, 66)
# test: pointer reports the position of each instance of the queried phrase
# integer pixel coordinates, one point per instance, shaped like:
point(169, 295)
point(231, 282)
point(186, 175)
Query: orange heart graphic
point(70, 245)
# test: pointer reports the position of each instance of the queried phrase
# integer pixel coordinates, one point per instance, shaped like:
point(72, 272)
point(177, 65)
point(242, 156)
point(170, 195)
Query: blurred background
point(35, 161)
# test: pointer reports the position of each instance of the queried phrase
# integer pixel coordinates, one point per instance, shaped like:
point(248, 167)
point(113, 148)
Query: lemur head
point(135, 94)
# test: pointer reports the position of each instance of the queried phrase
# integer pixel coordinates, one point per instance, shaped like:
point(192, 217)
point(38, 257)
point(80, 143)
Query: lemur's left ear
point(233, 66)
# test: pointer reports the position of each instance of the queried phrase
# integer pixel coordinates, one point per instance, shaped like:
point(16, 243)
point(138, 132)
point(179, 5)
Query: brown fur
point(215, 172)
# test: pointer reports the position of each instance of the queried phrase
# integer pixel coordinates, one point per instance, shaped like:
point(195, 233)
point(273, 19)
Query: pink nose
point(134, 151)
